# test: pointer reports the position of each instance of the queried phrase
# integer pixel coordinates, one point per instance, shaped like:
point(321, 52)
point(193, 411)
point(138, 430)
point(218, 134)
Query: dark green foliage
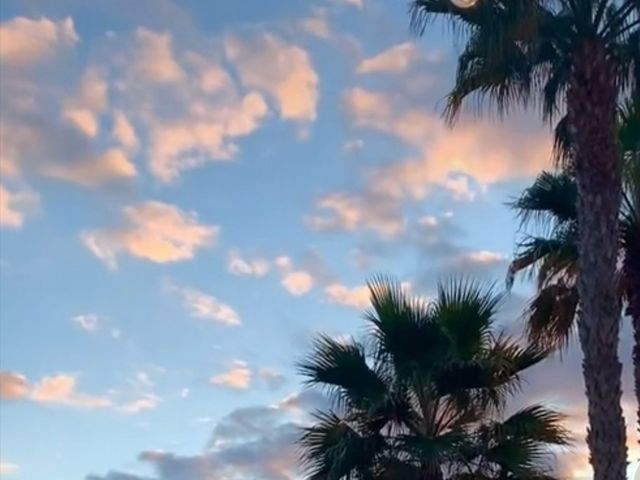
point(421, 398)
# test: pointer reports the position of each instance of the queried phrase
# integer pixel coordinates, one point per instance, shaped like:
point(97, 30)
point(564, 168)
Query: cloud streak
point(207, 307)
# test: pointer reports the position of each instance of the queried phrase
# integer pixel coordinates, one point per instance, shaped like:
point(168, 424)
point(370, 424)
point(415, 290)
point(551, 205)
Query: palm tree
point(421, 398)
point(577, 56)
point(550, 203)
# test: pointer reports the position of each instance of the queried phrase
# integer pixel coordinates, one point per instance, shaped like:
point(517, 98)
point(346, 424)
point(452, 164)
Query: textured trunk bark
point(591, 106)
point(632, 293)
point(433, 474)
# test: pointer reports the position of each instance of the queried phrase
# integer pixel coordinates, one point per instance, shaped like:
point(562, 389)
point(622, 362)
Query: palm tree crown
point(519, 52)
point(579, 57)
point(422, 397)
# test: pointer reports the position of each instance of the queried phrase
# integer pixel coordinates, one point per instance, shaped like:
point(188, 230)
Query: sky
point(190, 191)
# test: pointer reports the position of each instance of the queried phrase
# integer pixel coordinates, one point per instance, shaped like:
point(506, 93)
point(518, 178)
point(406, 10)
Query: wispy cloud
point(7, 468)
point(273, 378)
point(317, 24)
point(62, 389)
point(246, 267)
point(208, 307)
point(396, 59)
point(16, 206)
point(89, 322)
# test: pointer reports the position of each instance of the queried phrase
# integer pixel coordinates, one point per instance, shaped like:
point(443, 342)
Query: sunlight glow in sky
point(190, 190)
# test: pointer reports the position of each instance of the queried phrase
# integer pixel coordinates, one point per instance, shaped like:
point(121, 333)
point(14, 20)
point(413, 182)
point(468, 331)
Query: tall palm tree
point(421, 398)
point(576, 56)
point(550, 204)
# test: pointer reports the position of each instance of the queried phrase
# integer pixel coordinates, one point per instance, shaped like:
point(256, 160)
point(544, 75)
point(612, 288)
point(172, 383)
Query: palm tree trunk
point(632, 293)
point(591, 106)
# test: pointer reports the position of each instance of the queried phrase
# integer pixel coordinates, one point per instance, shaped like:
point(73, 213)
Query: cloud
point(271, 377)
point(483, 257)
point(184, 102)
point(13, 386)
point(113, 475)
point(145, 403)
point(25, 42)
point(237, 265)
point(7, 468)
point(356, 297)
point(461, 163)
point(89, 322)
point(317, 24)
point(348, 212)
point(124, 131)
point(83, 108)
point(108, 167)
point(353, 145)
point(202, 136)
point(62, 389)
point(396, 59)
point(153, 231)
point(282, 70)
point(83, 119)
point(564, 389)
point(238, 377)
point(283, 262)
point(35, 140)
point(16, 206)
point(297, 282)
point(201, 305)
point(353, 3)
point(93, 323)
point(449, 158)
point(154, 60)
point(257, 442)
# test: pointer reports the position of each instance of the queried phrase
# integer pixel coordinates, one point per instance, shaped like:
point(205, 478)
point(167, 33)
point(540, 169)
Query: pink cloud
point(153, 231)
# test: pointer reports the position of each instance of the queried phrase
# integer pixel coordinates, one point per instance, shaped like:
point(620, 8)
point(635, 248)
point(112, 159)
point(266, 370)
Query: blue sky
point(190, 190)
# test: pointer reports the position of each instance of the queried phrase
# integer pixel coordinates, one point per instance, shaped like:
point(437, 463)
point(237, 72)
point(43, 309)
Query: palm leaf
point(342, 369)
point(404, 332)
point(551, 315)
point(552, 198)
point(332, 449)
point(466, 311)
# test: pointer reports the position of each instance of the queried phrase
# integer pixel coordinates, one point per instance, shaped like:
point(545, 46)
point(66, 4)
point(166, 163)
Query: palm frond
point(521, 445)
point(532, 253)
point(466, 312)
point(551, 315)
point(332, 449)
point(433, 450)
point(342, 369)
point(563, 146)
point(552, 198)
point(404, 331)
point(503, 79)
point(511, 358)
point(536, 423)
